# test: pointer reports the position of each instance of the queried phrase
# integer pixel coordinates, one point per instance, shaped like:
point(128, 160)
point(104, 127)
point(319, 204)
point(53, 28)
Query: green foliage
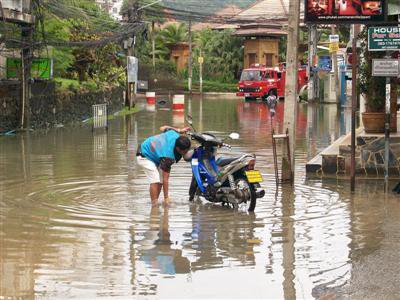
point(71, 85)
point(222, 52)
point(372, 87)
point(211, 86)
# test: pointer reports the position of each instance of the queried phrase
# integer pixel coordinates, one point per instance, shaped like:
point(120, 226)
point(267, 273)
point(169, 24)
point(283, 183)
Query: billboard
point(41, 68)
point(339, 11)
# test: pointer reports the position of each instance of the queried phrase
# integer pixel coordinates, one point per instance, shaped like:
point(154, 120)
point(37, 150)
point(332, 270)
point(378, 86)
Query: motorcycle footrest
point(260, 194)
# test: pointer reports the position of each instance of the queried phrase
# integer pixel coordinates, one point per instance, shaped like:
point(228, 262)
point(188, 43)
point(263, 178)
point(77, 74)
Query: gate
point(100, 116)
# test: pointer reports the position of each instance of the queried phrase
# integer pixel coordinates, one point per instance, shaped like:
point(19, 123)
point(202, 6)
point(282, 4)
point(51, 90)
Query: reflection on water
point(76, 220)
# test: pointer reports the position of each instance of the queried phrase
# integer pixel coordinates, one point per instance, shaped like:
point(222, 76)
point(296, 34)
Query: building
point(262, 25)
point(180, 55)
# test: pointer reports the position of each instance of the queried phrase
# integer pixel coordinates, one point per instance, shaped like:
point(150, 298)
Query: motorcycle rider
point(157, 154)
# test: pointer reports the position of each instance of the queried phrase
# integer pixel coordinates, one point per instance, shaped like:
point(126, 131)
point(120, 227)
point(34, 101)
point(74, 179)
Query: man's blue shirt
point(158, 146)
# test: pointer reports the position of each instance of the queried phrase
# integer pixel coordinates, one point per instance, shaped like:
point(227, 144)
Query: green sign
point(41, 68)
point(383, 38)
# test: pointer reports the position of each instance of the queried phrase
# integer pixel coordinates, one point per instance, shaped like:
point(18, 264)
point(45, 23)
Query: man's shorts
point(153, 174)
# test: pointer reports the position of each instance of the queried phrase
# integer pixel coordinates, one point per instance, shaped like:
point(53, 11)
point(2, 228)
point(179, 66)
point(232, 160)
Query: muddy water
point(76, 222)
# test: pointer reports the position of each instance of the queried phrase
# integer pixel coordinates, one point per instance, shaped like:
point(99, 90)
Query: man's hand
point(183, 130)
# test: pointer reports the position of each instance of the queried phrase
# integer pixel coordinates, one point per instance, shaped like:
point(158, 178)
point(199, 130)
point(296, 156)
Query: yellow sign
point(201, 59)
point(254, 176)
point(334, 47)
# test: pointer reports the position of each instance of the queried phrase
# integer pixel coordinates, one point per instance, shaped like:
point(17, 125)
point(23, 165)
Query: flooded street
point(76, 220)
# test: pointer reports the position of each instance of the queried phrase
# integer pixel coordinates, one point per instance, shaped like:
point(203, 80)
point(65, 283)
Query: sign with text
point(383, 38)
point(132, 67)
point(385, 67)
point(349, 11)
point(41, 68)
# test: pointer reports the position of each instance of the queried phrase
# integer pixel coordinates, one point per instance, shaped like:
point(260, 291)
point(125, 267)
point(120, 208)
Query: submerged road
point(76, 220)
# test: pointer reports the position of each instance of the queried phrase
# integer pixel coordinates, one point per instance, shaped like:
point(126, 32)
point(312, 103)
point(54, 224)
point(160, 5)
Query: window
point(251, 75)
point(252, 58)
point(268, 59)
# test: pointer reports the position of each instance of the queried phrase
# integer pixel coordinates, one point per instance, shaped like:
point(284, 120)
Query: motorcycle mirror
point(189, 119)
point(234, 136)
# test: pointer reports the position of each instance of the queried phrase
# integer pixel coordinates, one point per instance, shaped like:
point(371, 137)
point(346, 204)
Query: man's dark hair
point(183, 143)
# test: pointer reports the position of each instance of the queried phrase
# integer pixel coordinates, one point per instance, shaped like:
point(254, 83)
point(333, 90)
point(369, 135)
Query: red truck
point(258, 80)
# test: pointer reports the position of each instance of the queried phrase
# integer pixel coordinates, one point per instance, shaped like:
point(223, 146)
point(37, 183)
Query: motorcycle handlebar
point(226, 145)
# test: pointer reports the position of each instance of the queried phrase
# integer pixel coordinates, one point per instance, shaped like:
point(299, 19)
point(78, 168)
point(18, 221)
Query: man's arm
point(165, 166)
point(166, 186)
point(179, 130)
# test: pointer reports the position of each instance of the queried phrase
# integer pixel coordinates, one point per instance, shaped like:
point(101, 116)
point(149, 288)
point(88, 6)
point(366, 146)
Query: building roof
point(264, 11)
point(260, 31)
point(216, 21)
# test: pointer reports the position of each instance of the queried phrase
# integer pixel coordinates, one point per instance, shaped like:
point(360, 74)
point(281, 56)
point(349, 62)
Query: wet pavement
point(76, 220)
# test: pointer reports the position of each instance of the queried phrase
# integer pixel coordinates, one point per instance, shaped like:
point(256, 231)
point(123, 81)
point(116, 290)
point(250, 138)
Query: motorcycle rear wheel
point(251, 203)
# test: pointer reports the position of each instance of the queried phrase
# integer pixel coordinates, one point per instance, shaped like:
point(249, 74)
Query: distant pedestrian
point(271, 102)
point(157, 154)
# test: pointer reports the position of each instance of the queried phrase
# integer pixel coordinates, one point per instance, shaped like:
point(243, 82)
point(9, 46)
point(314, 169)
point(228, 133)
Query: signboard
point(41, 68)
point(12, 4)
point(385, 67)
point(132, 67)
point(333, 43)
point(349, 11)
point(333, 47)
point(383, 38)
point(142, 85)
point(201, 60)
point(333, 38)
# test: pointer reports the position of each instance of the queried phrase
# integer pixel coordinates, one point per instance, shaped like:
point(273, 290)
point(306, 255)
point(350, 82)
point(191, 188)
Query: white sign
point(12, 4)
point(388, 98)
point(333, 38)
point(385, 67)
point(133, 66)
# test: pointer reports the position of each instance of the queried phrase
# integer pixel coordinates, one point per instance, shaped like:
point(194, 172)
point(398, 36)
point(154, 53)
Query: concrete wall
point(48, 108)
point(261, 47)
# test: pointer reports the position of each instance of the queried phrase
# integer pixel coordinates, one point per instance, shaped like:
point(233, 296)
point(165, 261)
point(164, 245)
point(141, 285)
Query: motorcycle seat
point(223, 161)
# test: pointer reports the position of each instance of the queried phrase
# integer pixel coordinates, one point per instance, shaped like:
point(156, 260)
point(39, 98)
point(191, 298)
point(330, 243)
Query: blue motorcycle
point(230, 181)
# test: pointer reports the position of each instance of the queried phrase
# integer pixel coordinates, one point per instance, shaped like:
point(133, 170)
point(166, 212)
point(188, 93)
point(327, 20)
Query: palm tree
point(173, 34)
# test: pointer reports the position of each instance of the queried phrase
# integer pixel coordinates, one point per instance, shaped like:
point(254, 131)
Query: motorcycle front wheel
point(244, 184)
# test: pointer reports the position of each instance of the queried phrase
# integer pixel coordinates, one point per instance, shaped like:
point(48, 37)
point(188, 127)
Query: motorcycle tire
point(253, 196)
point(193, 189)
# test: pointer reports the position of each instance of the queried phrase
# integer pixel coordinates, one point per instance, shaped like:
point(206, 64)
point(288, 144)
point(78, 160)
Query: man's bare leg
point(155, 190)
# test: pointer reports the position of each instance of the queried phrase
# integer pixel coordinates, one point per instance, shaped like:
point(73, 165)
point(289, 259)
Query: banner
point(348, 11)
point(41, 68)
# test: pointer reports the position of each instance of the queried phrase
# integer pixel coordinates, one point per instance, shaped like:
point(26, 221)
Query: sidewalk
point(334, 161)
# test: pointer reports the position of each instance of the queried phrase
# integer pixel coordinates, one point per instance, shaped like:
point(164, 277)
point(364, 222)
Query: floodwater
point(76, 221)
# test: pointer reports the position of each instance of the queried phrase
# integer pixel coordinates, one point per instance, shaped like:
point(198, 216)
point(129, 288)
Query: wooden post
point(335, 69)
point(312, 51)
point(190, 58)
point(356, 29)
point(26, 61)
point(201, 71)
point(291, 89)
point(153, 45)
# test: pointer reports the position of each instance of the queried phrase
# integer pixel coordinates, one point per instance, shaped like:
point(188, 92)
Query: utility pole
point(291, 88)
point(312, 52)
point(190, 57)
point(201, 61)
point(153, 45)
point(26, 61)
point(133, 17)
point(356, 29)
point(335, 69)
